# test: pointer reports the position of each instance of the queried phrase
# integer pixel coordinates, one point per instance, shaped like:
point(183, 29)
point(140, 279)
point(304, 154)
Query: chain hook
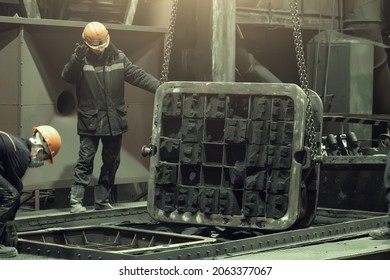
point(169, 43)
point(300, 55)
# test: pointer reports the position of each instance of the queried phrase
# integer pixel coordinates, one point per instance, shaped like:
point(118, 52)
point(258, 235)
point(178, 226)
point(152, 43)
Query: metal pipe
point(251, 70)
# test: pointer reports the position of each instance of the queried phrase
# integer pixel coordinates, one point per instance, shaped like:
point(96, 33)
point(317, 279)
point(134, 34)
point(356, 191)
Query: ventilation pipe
point(248, 69)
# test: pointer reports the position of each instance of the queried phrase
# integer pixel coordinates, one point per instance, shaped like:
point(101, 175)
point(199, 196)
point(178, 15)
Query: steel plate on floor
point(102, 242)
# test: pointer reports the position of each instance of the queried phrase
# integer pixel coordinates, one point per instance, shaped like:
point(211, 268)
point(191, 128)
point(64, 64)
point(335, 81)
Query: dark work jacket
point(14, 158)
point(100, 90)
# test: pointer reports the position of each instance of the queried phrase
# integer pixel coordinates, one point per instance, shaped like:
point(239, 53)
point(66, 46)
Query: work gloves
point(10, 235)
point(81, 52)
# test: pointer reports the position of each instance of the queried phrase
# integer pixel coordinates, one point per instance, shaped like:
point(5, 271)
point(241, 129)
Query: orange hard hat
point(95, 35)
point(52, 139)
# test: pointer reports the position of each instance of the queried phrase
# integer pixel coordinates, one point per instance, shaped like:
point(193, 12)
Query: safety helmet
point(95, 35)
point(52, 140)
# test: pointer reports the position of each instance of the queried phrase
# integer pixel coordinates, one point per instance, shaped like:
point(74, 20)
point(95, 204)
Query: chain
point(300, 55)
point(169, 40)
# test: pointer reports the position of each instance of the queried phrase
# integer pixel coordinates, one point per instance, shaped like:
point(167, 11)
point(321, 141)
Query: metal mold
point(104, 242)
point(230, 154)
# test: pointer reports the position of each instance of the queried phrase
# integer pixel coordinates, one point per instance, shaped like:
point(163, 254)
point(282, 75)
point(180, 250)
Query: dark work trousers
point(387, 187)
point(9, 202)
point(84, 168)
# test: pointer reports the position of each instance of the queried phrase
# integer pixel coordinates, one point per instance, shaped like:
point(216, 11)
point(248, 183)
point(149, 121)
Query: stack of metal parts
point(342, 144)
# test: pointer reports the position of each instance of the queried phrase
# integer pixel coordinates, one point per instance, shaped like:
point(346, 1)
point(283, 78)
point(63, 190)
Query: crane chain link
point(300, 55)
point(169, 40)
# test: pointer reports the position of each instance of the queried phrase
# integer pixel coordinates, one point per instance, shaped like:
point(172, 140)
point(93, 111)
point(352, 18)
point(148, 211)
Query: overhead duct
point(343, 82)
point(250, 70)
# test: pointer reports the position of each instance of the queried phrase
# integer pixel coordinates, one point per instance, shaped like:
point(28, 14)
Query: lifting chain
point(300, 55)
point(169, 40)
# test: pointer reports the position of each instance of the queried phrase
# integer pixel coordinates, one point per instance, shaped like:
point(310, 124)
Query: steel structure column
point(32, 9)
point(224, 41)
point(131, 9)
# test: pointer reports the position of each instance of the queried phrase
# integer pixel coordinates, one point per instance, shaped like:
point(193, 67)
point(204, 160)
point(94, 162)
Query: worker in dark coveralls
point(99, 71)
point(16, 155)
point(384, 233)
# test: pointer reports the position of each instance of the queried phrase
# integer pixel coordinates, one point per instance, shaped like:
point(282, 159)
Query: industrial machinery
point(275, 142)
point(233, 155)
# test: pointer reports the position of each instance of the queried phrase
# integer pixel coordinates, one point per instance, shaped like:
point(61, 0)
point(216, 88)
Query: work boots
point(381, 234)
point(77, 208)
point(7, 252)
point(101, 196)
point(76, 199)
point(103, 206)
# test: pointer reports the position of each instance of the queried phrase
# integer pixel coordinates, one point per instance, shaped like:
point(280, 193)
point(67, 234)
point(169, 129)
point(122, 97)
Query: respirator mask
point(34, 163)
point(38, 146)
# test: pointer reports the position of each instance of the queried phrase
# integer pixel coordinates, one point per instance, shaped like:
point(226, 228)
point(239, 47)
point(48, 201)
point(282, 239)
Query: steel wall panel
point(9, 65)
point(9, 116)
